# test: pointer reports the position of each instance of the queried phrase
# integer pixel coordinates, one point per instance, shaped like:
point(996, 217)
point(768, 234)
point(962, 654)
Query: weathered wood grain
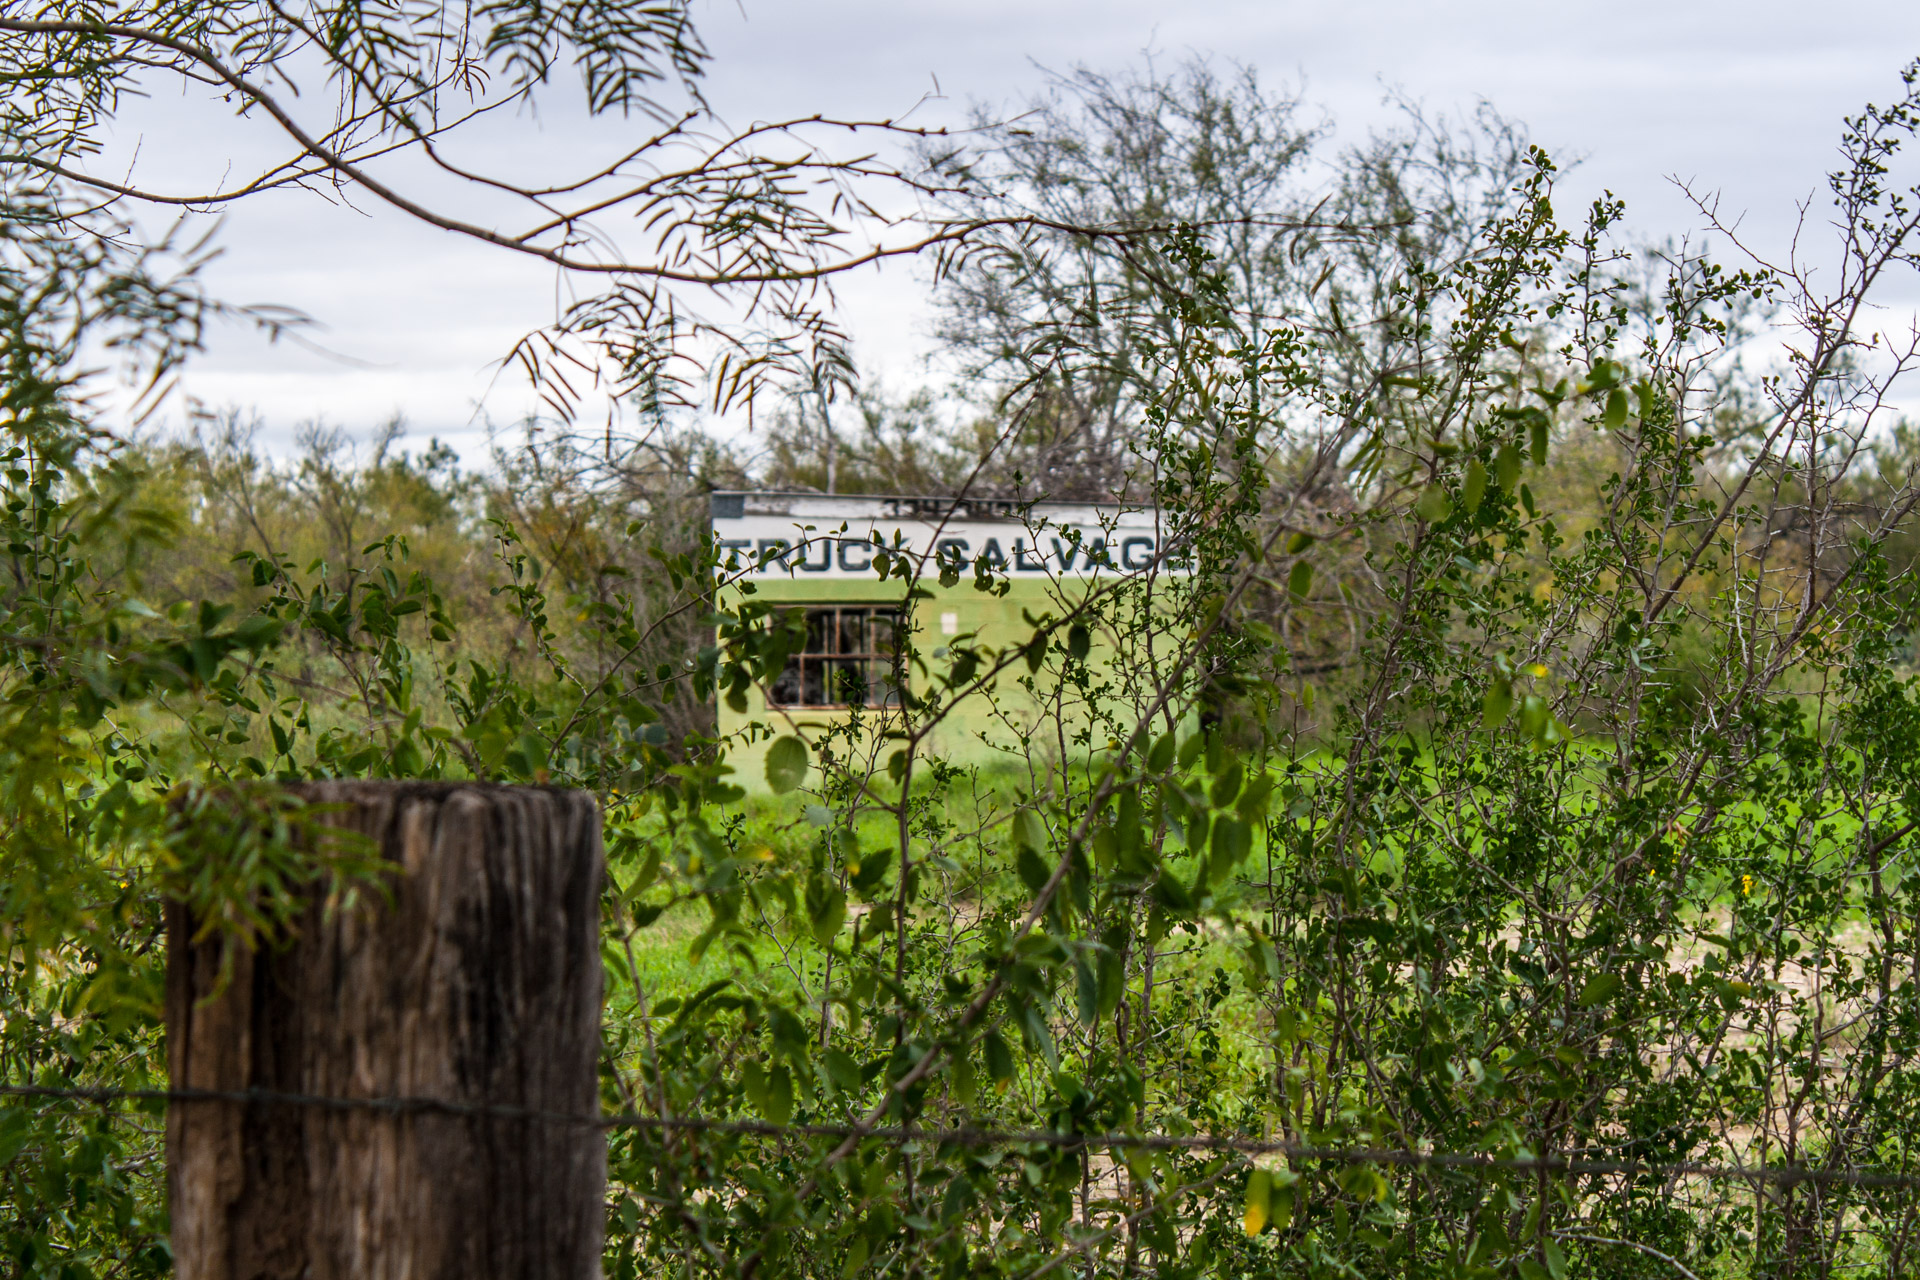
point(481, 983)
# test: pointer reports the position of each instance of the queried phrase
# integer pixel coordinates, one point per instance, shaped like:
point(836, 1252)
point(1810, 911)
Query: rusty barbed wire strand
point(966, 1136)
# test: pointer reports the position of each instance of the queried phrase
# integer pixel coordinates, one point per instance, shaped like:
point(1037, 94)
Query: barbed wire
point(968, 1136)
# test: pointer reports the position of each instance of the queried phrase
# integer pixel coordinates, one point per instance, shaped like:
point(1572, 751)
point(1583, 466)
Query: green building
point(815, 552)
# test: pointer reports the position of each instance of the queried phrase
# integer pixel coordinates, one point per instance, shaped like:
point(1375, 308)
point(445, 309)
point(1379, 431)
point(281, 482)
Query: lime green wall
point(972, 731)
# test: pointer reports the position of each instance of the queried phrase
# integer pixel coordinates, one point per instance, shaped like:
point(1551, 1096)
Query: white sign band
point(767, 546)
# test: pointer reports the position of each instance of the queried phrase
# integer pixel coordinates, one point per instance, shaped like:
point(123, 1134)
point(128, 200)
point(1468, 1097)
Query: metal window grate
point(851, 659)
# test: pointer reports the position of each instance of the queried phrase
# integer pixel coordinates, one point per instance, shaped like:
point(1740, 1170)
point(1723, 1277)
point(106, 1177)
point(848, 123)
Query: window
point(851, 659)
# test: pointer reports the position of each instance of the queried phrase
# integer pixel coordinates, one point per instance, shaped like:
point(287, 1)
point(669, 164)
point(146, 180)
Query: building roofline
point(728, 504)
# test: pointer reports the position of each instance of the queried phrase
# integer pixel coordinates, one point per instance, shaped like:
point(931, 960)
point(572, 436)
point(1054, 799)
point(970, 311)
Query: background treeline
point(1054, 343)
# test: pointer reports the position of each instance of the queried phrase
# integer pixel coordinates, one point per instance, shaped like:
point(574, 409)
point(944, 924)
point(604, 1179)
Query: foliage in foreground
point(1597, 862)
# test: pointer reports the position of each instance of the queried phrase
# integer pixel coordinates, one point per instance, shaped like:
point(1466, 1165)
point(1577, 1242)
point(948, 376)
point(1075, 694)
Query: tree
point(1075, 341)
point(1322, 248)
point(1577, 940)
point(738, 231)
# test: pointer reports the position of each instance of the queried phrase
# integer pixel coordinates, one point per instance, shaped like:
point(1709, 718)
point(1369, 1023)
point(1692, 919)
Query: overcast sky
point(1742, 98)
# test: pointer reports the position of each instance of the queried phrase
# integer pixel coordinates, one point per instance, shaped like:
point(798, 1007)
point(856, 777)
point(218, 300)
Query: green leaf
point(1035, 1031)
point(1280, 1207)
point(1615, 416)
point(1036, 651)
point(778, 1107)
point(1599, 989)
point(828, 912)
point(1259, 1200)
point(753, 1079)
point(1300, 579)
point(786, 764)
point(1226, 783)
point(1498, 703)
point(1434, 505)
point(1079, 641)
point(1646, 397)
point(842, 1070)
point(649, 870)
point(1506, 466)
point(1231, 843)
point(1086, 992)
point(528, 755)
point(999, 1058)
point(1535, 716)
point(1556, 1260)
point(1603, 375)
point(958, 1199)
point(1033, 872)
point(1252, 804)
point(960, 1071)
point(1190, 750)
point(1111, 978)
point(15, 1129)
point(966, 662)
point(1476, 486)
point(1106, 849)
point(1539, 433)
point(257, 632)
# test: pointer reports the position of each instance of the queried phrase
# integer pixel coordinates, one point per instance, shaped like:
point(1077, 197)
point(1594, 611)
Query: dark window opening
point(851, 659)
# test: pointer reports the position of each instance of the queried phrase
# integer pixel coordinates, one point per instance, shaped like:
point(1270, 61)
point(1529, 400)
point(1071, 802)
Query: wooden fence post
point(479, 985)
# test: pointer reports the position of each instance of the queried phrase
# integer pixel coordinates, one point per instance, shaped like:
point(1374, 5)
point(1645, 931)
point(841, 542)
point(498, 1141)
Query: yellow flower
point(1746, 885)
